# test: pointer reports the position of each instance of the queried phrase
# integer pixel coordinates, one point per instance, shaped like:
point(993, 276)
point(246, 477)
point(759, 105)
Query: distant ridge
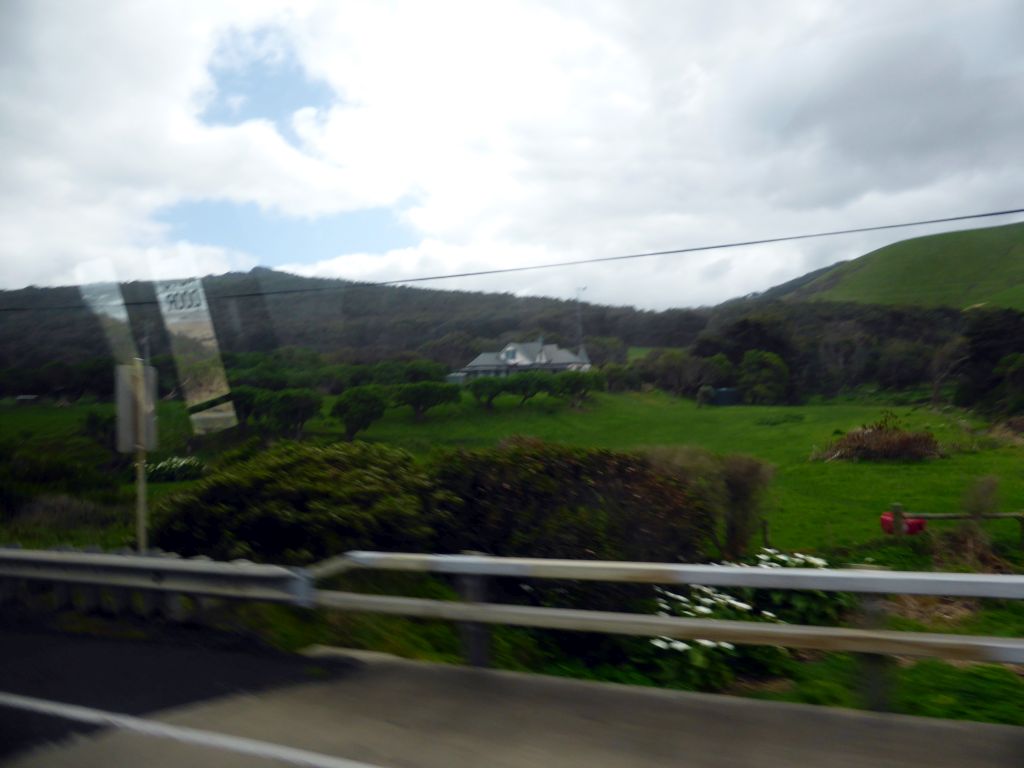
point(954, 269)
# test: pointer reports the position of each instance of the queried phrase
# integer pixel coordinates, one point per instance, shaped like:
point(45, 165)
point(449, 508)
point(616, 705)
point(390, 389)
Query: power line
point(577, 262)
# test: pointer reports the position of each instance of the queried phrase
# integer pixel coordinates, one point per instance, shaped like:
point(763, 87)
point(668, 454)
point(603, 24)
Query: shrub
point(531, 498)
point(424, 395)
point(733, 487)
point(763, 377)
point(884, 440)
point(298, 503)
point(357, 408)
point(485, 389)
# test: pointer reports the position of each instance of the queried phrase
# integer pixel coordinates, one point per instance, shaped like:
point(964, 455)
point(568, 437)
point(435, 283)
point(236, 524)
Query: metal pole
point(139, 385)
point(476, 638)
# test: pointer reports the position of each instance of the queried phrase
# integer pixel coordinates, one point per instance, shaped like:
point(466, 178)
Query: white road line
point(238, 744)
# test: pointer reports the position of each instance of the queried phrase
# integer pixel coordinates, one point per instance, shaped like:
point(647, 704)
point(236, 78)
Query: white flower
point(678, 645)
point(708, 643)
point(727, 646)
point(702, 609)
point(659, 643)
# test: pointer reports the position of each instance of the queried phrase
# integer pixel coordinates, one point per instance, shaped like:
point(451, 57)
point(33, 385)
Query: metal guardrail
point(158, 573)
point(870, 582)
point(248, 581)
point(826, 580)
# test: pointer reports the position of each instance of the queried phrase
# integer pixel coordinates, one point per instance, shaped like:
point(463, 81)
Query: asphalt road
point(382, 711)
point(178, 666)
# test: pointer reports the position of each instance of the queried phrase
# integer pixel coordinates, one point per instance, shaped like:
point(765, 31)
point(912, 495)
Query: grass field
point(812, 505)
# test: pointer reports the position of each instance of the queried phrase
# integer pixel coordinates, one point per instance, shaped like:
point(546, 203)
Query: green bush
point(299, 503)
point(531, 498)
point(357, 408)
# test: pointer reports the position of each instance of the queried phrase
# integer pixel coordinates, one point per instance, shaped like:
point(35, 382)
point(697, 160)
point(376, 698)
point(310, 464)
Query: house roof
point(487, 360)
point(531, 351)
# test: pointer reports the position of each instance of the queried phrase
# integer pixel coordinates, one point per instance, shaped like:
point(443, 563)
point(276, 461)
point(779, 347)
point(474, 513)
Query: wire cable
point(573, 263)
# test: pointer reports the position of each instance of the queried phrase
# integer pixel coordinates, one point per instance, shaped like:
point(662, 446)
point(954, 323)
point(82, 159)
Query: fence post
point(476, 638)
point(765, 538)
point(897, 519)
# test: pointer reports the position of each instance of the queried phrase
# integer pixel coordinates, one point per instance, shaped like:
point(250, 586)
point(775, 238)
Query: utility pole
point(579, 317)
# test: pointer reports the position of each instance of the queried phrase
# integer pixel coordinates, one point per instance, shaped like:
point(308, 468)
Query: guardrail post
point(876, 669)
point(476, 638)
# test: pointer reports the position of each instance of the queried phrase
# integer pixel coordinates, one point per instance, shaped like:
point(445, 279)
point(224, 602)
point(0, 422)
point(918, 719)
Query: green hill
point(954, 269)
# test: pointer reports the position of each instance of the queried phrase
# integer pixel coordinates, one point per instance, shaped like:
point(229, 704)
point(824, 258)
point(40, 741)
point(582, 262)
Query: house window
point(510, 354)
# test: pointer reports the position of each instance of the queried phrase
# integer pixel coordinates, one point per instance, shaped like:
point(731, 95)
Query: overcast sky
point(376, 141)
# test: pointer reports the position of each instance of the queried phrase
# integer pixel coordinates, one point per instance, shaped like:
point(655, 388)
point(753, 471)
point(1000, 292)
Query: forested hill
point(953, 269)
point(264, 309)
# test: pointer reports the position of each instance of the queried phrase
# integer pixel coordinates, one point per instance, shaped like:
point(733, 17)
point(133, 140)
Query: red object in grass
point(911, 525)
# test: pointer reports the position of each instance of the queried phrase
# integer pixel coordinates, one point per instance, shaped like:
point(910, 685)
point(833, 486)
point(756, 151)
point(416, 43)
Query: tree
point(903, 363)
point(289, 409)
point(423, 396)
point(576, 385)
point(764, 378)
point(485, 389)
point(358, 407)
point(621, 378)
point(672, 371)
point(245, 400)
point(946, 361)
point(529, 384)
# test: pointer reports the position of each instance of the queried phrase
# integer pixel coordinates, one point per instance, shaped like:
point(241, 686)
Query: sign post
point(136, 431)
point(141, 512)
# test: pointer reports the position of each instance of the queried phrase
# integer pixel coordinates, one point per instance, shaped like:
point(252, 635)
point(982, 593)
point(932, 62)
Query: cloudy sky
point(383, 140)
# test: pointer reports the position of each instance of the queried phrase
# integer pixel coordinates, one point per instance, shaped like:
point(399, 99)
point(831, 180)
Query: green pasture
point(813, 505)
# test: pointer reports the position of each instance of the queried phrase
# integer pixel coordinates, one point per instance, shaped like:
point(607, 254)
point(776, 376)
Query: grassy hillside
point(955, 269)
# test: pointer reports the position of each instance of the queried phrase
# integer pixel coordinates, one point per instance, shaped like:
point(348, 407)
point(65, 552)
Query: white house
point(517, 357)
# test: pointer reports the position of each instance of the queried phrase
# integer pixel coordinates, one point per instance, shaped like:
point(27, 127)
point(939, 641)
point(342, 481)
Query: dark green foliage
point(527, 497)
point(763, 377)
point(27, 472)
point(621, 378)
point(425, 395)
point(101, 427)
point(245, 399)
point(903, 364)
point(732, 488)
point(530, 384)
point(357, 408)
point(486, 388)
point(574, 386)
point(287, 411)
point(991, 336)
point(297, 503)
point(605, 350)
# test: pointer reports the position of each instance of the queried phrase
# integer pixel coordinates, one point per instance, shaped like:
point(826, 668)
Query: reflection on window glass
point(196, 353)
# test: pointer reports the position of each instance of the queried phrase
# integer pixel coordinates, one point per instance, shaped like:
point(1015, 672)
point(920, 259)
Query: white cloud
point(515, 133)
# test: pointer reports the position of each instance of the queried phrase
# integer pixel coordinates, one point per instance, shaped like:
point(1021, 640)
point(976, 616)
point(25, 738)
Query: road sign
point(129, 410)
